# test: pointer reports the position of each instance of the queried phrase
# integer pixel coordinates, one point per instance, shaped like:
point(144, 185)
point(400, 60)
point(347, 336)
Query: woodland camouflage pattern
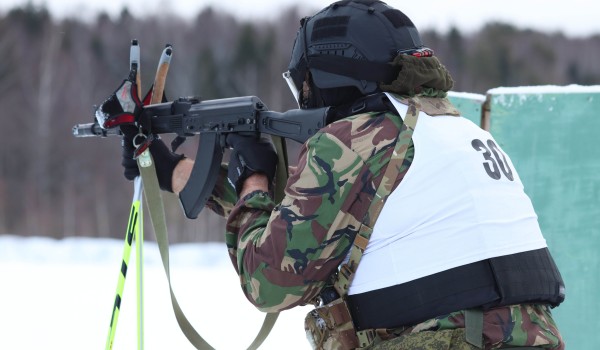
point(294, 248)
point(286, 253)
point(508, 326)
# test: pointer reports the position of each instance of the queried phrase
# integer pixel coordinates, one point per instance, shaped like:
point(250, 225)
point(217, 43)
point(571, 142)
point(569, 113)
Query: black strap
point(528, 278)
point(353, 68)
point(488, 283)
point(378, 102)
point(416, 301)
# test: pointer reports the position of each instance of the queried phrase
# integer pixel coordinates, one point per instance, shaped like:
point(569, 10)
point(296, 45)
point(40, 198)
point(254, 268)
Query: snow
point(510, 96)
point(467, 95)
point(545, 89)
point(59, 294)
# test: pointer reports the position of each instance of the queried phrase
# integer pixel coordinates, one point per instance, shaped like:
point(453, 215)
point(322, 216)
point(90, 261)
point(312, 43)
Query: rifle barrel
point(94, 129)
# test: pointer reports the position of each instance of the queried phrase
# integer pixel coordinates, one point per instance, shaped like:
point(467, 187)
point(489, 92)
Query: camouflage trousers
point(506, 327)
point(449, 339)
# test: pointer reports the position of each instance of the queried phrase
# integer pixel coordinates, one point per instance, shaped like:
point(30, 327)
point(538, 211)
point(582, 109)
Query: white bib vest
point(460, 202)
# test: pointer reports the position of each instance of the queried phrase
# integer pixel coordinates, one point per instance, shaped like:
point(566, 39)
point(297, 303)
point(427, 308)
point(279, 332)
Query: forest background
point(53, 71)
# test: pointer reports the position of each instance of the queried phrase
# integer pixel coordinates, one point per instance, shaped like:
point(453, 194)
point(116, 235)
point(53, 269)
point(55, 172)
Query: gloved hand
point(129, 164)
point(250, 155)
point(122, 107)
point(165, 161)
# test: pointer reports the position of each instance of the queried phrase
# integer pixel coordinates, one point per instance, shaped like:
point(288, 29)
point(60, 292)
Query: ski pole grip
point(161, 75)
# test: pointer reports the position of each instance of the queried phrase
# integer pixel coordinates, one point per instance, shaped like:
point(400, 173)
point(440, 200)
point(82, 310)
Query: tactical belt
point(528, 277)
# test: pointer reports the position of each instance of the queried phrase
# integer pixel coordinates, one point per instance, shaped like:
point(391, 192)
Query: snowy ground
point(59, 295)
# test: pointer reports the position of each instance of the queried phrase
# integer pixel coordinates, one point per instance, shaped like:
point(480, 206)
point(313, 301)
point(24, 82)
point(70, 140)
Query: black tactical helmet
point(349, 44)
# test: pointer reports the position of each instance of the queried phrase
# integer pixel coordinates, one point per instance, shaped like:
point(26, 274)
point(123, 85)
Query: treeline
point(52, 73)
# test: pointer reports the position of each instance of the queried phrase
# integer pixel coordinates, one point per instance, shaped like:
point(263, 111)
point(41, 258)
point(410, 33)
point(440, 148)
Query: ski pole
point(158, 88)
point(133, 229)
point(159, 81)
point(135, 224)
point(135, 63)
point(139, 264)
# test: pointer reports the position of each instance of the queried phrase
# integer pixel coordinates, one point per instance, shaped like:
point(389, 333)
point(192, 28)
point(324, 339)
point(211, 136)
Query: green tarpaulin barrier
point(551, 135)
point(470, 105)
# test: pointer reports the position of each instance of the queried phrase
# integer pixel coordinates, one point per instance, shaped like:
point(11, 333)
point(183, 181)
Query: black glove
point(129, 164)
point(165, 161)
point(250, 155)
point(122, 107)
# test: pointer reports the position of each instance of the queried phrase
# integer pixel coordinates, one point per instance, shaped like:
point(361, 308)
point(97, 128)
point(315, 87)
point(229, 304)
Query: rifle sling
point(282, 167)
point(347, 270)
point(157, 215)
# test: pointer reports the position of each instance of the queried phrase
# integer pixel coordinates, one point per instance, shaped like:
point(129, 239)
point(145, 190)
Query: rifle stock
point(213, 120)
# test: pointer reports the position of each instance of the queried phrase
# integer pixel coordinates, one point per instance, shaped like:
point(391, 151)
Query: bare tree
point(53, 72)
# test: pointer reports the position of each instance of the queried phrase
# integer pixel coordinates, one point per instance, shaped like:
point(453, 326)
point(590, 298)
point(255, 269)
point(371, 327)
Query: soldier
point(404, 223)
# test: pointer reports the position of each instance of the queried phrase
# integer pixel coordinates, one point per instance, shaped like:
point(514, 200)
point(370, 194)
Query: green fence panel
point(469, 105)
point(551, 134)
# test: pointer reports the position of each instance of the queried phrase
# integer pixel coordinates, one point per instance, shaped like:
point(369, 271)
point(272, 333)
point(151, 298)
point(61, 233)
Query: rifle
point(213, 120)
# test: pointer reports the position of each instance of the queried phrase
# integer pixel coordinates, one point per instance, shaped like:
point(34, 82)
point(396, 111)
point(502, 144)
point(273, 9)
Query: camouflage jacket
point(285, 253)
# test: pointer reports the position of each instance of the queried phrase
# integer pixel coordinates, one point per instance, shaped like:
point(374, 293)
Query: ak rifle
point(213, 120)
